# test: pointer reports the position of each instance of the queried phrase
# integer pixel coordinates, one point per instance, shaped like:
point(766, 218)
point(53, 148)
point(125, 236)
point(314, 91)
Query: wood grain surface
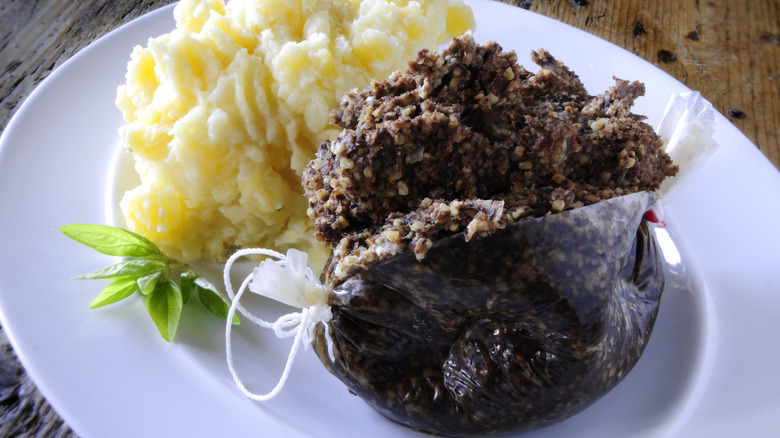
point(729, 50)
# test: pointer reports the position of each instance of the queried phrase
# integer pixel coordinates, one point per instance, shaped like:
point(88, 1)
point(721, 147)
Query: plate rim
point(41, 89)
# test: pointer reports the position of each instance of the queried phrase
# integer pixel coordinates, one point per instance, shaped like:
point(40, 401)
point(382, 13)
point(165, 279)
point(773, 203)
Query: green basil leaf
point(164, 305)
point(114, 292)
point(214, 301)
point(111, 240)
point(126, 269)
point(147, 283)
point(187, 284)
point(157, 258)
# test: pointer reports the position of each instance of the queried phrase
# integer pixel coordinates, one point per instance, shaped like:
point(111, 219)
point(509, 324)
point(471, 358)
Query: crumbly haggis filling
point(467, 140)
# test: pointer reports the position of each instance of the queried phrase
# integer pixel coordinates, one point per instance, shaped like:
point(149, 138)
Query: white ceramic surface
point(709, 370)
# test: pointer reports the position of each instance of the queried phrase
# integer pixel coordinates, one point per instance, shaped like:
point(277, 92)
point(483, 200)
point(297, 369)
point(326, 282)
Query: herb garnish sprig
point(146, 270)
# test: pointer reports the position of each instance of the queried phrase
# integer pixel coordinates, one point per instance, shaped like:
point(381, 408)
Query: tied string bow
point(288, 280)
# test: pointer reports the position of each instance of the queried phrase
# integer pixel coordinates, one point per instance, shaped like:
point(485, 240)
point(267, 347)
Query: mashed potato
point(224, 112)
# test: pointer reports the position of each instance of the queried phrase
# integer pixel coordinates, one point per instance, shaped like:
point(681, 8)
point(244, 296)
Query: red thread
point(652, 218)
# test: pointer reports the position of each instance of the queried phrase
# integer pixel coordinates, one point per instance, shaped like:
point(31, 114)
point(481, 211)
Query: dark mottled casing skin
point(506, 333)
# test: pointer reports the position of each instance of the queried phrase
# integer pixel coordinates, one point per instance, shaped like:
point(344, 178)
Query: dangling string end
point(290, 281)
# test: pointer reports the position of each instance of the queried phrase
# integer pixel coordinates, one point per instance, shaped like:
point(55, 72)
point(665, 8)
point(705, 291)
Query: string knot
point(288, 280)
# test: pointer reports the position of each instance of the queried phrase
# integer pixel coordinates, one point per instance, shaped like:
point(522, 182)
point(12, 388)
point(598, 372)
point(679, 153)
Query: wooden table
point(729, 50)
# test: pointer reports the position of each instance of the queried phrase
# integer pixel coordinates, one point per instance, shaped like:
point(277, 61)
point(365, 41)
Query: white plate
point(709, 370)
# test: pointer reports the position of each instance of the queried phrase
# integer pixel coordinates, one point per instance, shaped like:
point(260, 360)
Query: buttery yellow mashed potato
point(224, 112)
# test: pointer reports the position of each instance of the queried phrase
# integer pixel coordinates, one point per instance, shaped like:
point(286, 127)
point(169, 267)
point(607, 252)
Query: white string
point(298, 324)
point(229, 286)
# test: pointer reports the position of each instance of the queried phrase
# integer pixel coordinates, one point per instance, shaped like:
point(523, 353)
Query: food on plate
point(224, 112)
point(468, 141)
point(491, 267)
